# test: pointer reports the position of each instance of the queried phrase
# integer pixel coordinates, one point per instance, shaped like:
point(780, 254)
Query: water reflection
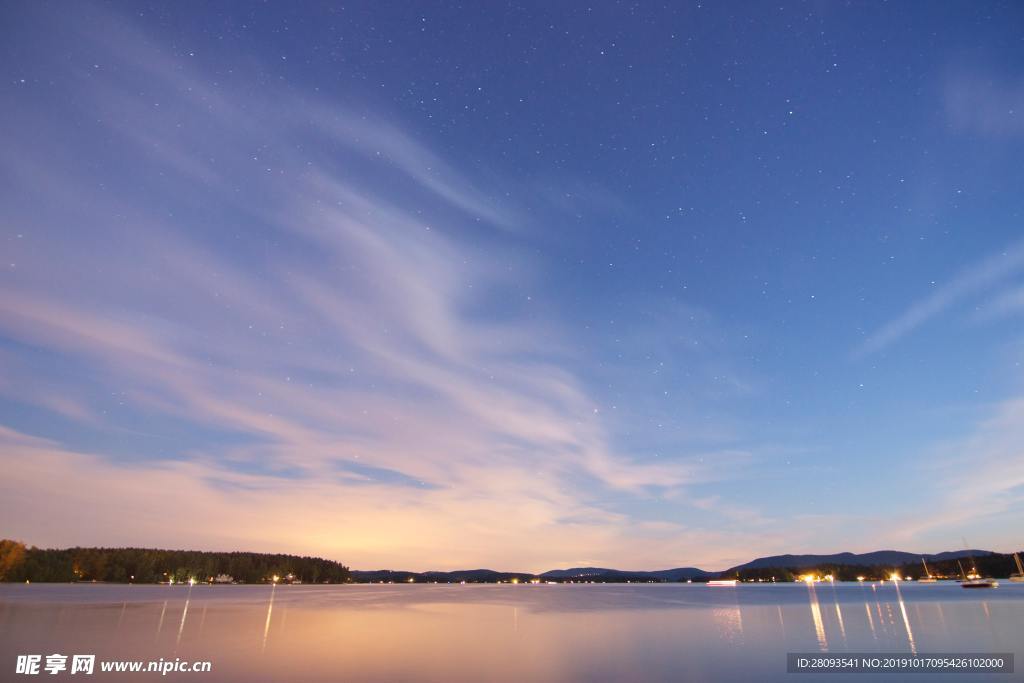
point(906, 621)
point(270, 610)
point(730, 622)
point(839, 613)
point(202, 621)
point(819, 626)
point(184, 615)
point(881, 617)
point(871, 622)
point(988, 615)
point(504, 634)
point(160, 623)
point(120, 615)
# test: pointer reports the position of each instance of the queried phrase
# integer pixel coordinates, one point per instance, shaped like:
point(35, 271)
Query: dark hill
point(892, 558)
point(603, 574)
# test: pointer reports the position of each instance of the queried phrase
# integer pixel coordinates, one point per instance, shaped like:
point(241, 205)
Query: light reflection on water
point(541, 633)
point(160, 621)
point(270, 611)
point(839, 613)
point(906, 620)
point(184, 615)
point(819, 625)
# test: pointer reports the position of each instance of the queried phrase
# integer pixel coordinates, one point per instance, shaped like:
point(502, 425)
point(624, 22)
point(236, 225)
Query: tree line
point(19, 562)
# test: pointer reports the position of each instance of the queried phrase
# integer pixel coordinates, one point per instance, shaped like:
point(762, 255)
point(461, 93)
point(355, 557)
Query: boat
point(722, 582)
point(1019, 576)
point(927, 578)
point(974, 580)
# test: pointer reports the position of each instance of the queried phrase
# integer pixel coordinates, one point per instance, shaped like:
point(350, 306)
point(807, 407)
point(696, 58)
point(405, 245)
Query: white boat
point(722, 582)
point(974, 580)
point(1019, 576)
point(927, 578)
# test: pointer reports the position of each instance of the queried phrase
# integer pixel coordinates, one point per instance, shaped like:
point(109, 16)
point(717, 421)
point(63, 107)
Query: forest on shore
point(19, 562)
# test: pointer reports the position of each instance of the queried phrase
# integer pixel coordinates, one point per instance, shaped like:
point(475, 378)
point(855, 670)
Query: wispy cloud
point(326, 326)
point(978, 482)
point(383, 142)
point(1002, 304)
point(971, 281)
point(979, 101)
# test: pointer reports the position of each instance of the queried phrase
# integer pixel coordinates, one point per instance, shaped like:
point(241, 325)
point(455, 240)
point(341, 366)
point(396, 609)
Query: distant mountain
point(681, 573)
point(588, 573)
point(491, 576)
point(881, 559)
point(575, 572)
point(891, 558)
point(475, 576)
point(467, 575)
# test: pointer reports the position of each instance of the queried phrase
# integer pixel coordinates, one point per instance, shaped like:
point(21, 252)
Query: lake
point(462, 633)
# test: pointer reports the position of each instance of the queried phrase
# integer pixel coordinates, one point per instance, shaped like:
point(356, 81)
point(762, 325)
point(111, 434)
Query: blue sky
point(520, 286)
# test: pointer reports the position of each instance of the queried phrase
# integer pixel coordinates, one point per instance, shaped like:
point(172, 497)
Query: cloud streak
point(979, 482)
point(971, 281)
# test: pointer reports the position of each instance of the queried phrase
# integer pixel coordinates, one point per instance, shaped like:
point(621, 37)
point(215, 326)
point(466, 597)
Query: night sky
point(509, 285)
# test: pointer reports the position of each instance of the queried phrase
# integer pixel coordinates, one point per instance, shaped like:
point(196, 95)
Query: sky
point(512, 285)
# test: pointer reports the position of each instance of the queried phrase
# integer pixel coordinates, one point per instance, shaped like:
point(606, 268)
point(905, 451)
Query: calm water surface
point(547, 633)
